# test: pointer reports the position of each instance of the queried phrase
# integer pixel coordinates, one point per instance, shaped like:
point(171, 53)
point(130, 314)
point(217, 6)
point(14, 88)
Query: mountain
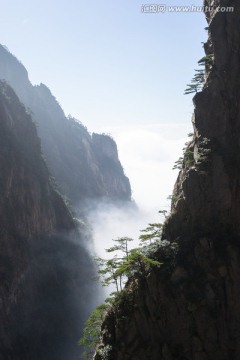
point(189, 307)
point(46, 288)
point(86, 167)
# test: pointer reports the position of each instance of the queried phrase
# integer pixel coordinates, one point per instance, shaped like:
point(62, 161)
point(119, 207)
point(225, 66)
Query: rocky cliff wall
point(46, 288)
point(207, 191)
point(189, 307)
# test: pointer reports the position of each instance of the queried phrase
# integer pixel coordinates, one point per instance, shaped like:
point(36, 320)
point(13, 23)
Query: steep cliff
point(189, 308)
point(77, 160)
point(45, 288)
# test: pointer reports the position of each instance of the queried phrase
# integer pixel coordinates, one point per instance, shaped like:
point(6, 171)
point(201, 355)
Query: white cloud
point(147, 154)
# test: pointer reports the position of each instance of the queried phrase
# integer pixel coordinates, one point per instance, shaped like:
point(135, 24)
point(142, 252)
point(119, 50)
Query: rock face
point(85, 166)
point(45, 287)
point(189, 308)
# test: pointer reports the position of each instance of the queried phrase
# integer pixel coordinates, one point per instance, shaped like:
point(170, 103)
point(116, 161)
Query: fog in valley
point(68, 178)
point(147, 154)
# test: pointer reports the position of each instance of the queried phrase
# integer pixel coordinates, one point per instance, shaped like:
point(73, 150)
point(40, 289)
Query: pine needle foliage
point(198, 79)
point(117, 270)
point(92, 331)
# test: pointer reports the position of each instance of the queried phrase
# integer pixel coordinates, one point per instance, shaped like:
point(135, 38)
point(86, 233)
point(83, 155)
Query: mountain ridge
point(71, 152)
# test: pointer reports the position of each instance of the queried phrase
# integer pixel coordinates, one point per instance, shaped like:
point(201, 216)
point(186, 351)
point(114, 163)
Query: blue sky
point(118, 70)
point(106, 61)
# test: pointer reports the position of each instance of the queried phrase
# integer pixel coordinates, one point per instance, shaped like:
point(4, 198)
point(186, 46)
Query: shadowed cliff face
point(45, 288)
point(189, 308)
point(77, 160)
point(207, 193)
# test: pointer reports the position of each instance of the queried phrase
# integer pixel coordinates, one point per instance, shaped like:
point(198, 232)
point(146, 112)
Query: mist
point(57, 293)
point(147, 154)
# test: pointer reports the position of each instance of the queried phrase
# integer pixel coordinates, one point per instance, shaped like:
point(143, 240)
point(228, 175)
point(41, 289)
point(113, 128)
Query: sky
point(119, 70)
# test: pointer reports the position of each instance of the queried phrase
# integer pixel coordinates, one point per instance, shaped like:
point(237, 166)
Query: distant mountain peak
point(85, 166)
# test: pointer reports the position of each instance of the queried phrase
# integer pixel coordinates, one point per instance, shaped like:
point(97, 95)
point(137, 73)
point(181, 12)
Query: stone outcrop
point(45, 288)
point(85, 166)
point(189, 308)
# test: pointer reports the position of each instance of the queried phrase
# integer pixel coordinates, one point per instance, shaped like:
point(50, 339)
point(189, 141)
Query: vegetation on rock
point(124, 265)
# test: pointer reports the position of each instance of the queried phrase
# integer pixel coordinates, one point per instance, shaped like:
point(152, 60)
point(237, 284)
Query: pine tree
point(92, 331)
